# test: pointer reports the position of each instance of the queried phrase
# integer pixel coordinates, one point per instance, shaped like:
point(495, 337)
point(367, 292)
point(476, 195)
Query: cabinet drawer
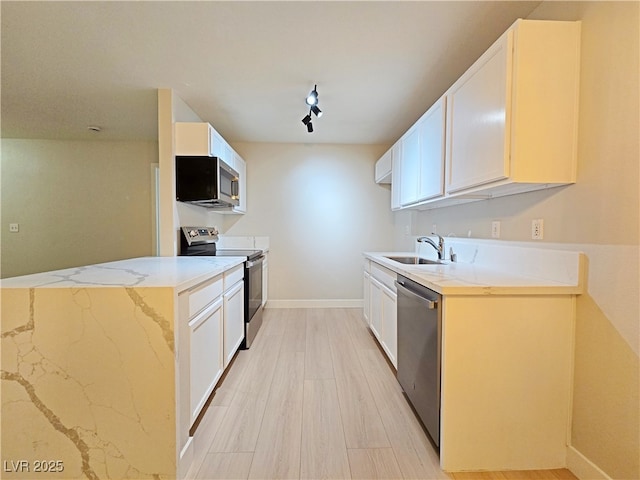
point(204, 294)
point(233, 276)
point(384, 275)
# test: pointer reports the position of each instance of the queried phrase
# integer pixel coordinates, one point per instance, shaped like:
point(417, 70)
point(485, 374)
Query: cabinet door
point(376, 308)
point(217, 144)
point(432, 142)
point(366, 303)
point(193, 138)
point(410, 166)
point(205, 355)
point(233, 320)
point(396, 154)
point(478, 119)
point(390, 325)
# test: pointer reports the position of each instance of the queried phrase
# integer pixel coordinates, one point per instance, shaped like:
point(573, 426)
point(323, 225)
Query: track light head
point(310, 127)
point(316, 111)
point(312, 98)
point(307, 119)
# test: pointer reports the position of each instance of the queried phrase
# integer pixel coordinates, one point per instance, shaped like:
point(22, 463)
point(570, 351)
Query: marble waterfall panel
point(88, 383)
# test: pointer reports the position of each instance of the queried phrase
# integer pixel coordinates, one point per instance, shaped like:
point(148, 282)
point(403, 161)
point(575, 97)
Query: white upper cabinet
point(432, 149)
point(195, 138)
point(508, 125)
point(512, 117)
point(383, 168)
point(201, 139)
point(222, 150)
point(422, 166)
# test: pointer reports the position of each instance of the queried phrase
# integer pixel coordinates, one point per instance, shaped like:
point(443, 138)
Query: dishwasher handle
point(430, 304)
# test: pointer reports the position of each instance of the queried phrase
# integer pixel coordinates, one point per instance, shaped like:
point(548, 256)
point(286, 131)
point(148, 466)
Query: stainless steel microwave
point(206, 181)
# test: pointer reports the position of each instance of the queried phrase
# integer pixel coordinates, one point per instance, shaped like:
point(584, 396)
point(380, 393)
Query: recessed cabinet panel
point(233, 320)
point(478, 123)
point(389, 338)
point(410, 166)
point(376, 307)
point(206, 356)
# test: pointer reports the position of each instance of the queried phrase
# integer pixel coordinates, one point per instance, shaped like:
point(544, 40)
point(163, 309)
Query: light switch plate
point(14, 227)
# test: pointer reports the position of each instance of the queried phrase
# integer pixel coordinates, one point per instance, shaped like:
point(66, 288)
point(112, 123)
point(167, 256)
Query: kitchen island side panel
point(507, 366)
point(88, 382)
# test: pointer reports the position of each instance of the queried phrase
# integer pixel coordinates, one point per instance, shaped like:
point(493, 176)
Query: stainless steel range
point(201, 241)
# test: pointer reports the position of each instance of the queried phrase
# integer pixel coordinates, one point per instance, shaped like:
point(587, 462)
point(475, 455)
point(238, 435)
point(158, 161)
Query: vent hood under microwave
point(207, 182)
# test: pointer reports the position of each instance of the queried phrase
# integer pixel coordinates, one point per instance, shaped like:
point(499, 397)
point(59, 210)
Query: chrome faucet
point(439, 247)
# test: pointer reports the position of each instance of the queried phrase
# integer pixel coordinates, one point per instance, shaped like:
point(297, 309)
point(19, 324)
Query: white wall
point(598, 215)
point(321, 209)
point(76, 202)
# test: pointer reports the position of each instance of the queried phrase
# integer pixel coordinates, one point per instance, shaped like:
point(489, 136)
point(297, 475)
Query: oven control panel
point(200, 234)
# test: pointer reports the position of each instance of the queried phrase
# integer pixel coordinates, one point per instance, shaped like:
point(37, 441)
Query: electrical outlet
point(407, 229)
point(537, 229)
point(434, 228)
point(14, 227)
point(495, 229)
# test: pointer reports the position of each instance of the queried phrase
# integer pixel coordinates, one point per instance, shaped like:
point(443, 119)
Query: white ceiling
point(245, 67)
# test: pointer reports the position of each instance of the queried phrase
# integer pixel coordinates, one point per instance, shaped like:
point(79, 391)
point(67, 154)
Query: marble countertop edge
point(456, 278)
point(180, 273)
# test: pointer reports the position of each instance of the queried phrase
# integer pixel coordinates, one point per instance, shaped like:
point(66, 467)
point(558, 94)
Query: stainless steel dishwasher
point(419, 345)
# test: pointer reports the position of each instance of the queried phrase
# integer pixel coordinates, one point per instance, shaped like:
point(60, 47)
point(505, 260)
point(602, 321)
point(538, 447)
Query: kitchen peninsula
point(96, 373)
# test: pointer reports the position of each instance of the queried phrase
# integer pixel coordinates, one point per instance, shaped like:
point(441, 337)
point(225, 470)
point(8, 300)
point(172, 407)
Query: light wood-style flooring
point(314, 398)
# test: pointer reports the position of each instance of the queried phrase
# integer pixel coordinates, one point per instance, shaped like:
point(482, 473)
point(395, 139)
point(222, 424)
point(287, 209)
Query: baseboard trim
point(582, 467)
point(324, 303)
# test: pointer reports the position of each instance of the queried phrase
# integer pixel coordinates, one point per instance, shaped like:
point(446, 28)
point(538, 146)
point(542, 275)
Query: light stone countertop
point(181, 273)
point(458, 278)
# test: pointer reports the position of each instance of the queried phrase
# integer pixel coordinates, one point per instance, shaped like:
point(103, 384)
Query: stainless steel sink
point(416, 261)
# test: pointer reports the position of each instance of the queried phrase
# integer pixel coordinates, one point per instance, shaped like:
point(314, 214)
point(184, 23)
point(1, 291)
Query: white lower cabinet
point(380, 309)
point(233, 320)
point(210, 330)
point(206, 367)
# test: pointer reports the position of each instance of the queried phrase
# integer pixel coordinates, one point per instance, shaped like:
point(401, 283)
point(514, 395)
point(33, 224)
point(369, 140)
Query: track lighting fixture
point(312, 101)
